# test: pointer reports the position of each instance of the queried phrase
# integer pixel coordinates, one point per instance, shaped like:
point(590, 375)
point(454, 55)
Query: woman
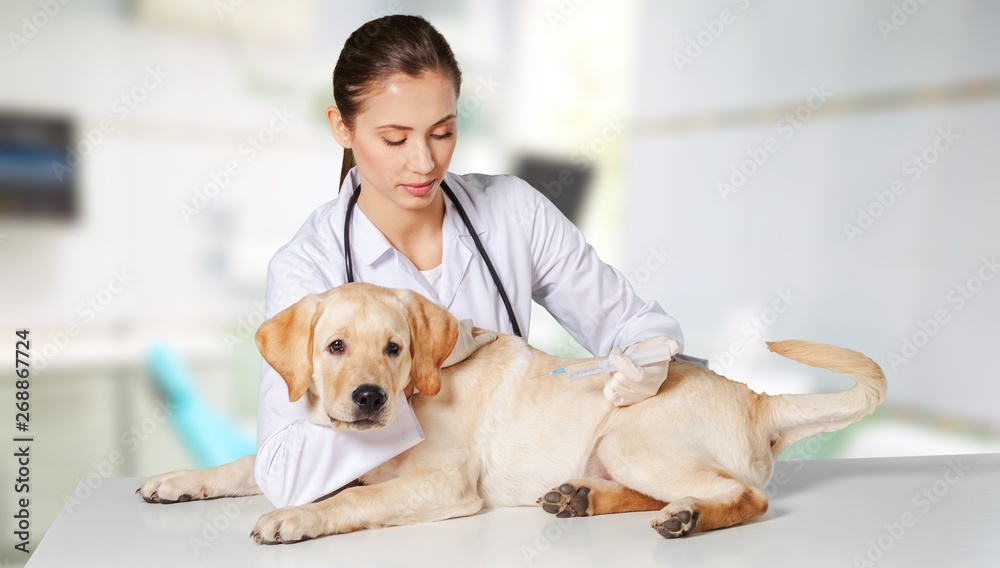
point(396, 87)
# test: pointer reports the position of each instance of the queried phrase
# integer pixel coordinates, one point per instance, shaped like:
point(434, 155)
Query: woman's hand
point(467, 344)
point(629, 383)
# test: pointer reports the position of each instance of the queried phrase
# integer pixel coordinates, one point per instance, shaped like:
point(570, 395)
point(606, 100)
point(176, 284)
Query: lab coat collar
point(461, 194)
point(369, 244)
point(456, 252)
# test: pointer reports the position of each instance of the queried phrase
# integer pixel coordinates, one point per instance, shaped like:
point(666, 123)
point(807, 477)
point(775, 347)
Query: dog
point(500, 431)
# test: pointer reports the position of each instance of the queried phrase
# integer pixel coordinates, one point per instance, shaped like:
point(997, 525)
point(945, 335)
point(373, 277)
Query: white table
point(823, 513)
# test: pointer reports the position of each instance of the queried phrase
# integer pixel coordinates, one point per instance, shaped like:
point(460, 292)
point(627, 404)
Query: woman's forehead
point(414, 102)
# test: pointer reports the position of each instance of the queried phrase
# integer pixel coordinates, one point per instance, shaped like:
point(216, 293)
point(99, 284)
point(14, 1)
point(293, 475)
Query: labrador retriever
point(699, 452)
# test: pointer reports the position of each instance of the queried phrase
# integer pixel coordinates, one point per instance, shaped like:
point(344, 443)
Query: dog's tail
point(798, 416)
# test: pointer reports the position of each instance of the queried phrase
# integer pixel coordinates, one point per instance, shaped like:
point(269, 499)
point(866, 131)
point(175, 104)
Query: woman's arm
point(591, 299)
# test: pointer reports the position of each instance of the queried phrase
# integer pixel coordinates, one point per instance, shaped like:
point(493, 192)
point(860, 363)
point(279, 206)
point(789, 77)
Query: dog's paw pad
point(675, 524)
point(567, 500)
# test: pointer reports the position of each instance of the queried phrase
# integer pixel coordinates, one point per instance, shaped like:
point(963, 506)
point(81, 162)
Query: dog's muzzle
point(369, 408)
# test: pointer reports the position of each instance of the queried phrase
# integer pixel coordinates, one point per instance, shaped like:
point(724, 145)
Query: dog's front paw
point(675, 520)
point(173, 487)
point(567, 500)
point(287, 525)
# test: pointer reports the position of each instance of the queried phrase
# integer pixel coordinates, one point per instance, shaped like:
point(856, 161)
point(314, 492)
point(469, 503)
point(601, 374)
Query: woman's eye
point(336, 347)
point(393, 349)
point(400, 142)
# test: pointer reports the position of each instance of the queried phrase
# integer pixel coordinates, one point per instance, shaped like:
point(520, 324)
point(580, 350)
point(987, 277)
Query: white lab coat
point(539, 255)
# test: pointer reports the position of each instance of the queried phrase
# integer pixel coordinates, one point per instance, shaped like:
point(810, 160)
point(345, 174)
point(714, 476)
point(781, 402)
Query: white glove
point(467, 344)
point(629, 383)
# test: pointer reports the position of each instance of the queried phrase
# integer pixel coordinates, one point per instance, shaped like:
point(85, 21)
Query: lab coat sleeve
point(299, 461)
point(590, 299)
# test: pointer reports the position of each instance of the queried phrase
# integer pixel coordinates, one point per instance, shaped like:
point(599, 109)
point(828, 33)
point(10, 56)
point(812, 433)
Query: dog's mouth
point(358, 424)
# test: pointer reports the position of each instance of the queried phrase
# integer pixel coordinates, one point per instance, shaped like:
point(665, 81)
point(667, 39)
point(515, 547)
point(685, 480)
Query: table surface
point(917, 511)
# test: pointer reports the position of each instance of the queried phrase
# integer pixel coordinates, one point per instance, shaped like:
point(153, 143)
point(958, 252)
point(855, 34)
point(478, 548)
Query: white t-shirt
point(433, 276)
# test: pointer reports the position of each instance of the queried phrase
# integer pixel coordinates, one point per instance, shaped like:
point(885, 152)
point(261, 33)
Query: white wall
point(785, 227)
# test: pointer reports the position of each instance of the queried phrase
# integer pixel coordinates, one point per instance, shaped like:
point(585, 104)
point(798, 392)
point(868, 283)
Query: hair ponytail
point(346, 166)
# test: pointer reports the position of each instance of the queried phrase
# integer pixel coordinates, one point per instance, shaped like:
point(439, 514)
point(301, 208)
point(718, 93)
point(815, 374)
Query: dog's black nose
point(369, 398)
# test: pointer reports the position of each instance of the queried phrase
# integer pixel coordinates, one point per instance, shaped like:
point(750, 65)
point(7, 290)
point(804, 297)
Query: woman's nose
point(421, 160)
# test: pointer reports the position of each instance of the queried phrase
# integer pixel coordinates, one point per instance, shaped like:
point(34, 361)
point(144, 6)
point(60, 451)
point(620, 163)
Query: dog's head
point(352, 349)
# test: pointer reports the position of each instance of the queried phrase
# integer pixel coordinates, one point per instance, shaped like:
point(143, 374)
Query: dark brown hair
point(379, 49)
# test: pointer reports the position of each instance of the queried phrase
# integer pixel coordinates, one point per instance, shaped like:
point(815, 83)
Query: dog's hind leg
point(588, 497)
point(234, 479)
point(705, 499)
point(714, 504)
point(699, 495)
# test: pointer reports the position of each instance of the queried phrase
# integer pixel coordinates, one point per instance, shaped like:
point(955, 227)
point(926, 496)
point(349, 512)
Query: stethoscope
point(468, 224)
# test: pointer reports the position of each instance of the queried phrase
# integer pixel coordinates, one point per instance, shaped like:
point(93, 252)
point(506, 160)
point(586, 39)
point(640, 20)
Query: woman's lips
point(419, 190)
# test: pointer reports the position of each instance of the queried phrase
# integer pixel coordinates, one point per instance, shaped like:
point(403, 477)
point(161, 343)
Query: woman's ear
point(337, 126)
point(285, 342)
point(433, 334)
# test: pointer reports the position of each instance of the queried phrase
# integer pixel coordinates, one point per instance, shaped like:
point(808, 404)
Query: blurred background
point(763, 170)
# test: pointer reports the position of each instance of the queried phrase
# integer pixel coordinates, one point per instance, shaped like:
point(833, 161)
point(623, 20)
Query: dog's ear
point(285, 342)
point(433, 334)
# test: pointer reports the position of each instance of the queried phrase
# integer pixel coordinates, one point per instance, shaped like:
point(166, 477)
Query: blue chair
point(210, 437)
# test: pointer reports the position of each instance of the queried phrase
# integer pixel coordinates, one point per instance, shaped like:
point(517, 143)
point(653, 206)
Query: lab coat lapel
point(456, 254)
point(406, 265)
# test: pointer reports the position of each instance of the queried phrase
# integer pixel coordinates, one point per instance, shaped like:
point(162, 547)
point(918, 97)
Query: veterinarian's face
point(403, 137)
point(361, 361)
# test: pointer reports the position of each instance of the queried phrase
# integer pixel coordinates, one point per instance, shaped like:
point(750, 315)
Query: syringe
point(604, 365)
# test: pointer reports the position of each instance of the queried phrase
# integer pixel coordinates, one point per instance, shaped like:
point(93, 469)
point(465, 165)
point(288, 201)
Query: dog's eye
point(336, 347)
point(392, 349)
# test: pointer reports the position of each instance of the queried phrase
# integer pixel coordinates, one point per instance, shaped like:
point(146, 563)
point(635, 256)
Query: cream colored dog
point(500, 431)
